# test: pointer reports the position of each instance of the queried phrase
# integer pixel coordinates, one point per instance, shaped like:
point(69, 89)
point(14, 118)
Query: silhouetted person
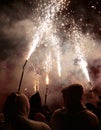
point(99, 106)
point(92, 103)
point(74, 115)
point(37, 111)
point(94, 109)
point(16, 111)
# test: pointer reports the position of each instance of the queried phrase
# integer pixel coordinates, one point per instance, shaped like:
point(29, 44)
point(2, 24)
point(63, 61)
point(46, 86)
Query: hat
point(73, 91)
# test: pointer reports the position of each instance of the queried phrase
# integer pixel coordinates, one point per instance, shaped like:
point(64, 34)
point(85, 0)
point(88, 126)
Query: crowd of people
point(20, 112)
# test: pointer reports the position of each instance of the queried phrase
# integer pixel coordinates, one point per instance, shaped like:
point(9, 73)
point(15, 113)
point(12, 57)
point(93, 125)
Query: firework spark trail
point(55, 43)
point(37, 38)
point(48, 63)
point(82, 61)
point(51, 10)
point(83, 64)
point(59, 64)
point(36, 83)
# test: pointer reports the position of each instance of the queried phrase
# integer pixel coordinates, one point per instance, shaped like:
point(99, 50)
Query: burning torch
point(47, 83)
point(23, 68)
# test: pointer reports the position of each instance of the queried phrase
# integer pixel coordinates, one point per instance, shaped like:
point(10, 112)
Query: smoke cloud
point(19, 22)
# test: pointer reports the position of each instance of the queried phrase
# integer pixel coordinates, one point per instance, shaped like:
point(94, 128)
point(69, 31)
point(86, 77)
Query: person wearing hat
point(74, 115)
point(16, 111)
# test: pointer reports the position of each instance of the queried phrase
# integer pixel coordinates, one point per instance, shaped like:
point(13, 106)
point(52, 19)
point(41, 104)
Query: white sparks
point(50, 12)
point(81, 58)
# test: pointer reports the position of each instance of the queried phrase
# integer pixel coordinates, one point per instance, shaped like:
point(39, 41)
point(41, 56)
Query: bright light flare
point(83, 65)
point(82, 62)
point(34, 85)
point(59, 66)
point(47, 79)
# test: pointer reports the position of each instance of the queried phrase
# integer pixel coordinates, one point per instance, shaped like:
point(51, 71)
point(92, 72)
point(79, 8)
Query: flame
point(35, 86)
point(47, 79)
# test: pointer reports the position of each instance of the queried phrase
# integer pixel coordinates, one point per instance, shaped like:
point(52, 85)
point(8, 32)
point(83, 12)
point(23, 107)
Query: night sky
point(75, 22)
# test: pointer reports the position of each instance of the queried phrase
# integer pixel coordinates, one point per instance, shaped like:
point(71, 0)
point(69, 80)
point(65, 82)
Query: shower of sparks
point(37, 38)
point(81, 58)
point(55, 43)
point(48, 62)
point(83, 64)
point(49, 30)
point(49, 12)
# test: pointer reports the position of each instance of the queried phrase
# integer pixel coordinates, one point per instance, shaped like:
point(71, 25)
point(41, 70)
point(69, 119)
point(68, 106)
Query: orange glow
point(47, 79)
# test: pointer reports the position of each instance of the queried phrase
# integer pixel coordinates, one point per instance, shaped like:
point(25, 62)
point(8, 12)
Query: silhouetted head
point(72, 94)
point(16, 104)
point(35, 100)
